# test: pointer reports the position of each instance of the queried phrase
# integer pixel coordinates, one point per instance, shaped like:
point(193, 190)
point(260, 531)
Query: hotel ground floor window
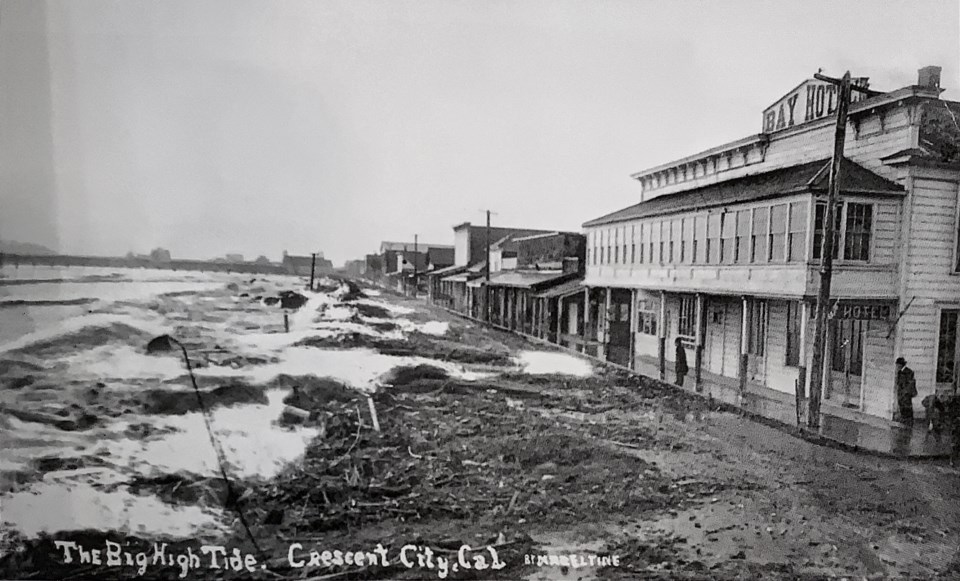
point(757, 328)
point(948, 350)
point(794, 316)
point(687, 319)
point(648, 312)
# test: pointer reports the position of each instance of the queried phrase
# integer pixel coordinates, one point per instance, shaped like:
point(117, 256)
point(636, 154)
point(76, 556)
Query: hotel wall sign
point(863, 311)
point(810, 101)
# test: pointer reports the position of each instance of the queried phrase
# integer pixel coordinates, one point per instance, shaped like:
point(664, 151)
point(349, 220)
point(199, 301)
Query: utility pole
point(415, 252)
point(826, 258)
point(486, 287)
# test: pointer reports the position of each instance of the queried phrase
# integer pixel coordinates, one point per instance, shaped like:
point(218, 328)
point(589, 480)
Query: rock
point(294, 416)
point(233, 287)
point(292, 300)
point(270, 301)
point(161, 344)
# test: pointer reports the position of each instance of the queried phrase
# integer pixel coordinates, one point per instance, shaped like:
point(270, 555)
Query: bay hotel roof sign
point(808, 101)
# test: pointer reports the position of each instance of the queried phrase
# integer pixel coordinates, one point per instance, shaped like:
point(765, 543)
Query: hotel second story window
point(728, 237)
point(664, 233)
point(713, 239)
point(758, 239)
point(609, 248)
point(687, 319)
point(819, 219)
point(856, 244)
point(956, 267)
point(778, 232)
point(643, 242)
point(650, 242)
point(699, 250)
point(633, 244)
point(647, 316)
point(625, 245)
point(743, 237)
point(616, 246)
point(654, 240)
point(797, 242)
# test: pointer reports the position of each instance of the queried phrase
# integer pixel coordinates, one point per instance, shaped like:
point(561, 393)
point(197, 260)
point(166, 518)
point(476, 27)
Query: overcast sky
point(216, 126)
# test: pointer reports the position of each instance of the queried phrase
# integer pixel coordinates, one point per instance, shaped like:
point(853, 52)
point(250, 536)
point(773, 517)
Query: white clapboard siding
point(879, 374)
point(930, 279)
point(886, 233)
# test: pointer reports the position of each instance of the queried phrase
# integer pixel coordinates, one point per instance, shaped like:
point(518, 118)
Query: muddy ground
point(662, 484)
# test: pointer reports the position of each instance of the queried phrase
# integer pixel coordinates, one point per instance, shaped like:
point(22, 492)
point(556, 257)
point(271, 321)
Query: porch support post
point(559, 319)
point(662, 336)
point(605, 325)
point(633, 328)
point(744, 340)
point(701, 331)
point(801, 387)
point(586, 318)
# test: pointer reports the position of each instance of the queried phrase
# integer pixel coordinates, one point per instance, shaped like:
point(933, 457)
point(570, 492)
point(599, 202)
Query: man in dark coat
point(680, 361)
point(906, 390)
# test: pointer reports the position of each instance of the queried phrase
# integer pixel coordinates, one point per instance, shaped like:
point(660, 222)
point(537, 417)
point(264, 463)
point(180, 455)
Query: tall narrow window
point(798, 232)
point(794, 316)
point(757, 327)
point(758, 240)
point(609, 248)
point(616, 246)
point(643, 241)
point(651, 241)
point(648, 313)
point(713, 239)
point(819, 219)
point(664, 234)
point(654, 242)
point(686, 250)
point(676, 241)
point(957, 250)
point(700, 240)
point(633, 244)
point(856, 244)
point(778, 232)
point(742, 253)
point(947, 347)
point(728, 237)
point(687, 319)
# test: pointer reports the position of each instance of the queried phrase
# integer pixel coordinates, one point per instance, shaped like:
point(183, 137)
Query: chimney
point(929, 77)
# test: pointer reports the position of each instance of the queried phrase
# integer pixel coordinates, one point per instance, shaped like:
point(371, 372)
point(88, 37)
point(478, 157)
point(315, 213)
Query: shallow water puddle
point(549, 362)
point(254, 446)
point(49, 508)
point(718, 531)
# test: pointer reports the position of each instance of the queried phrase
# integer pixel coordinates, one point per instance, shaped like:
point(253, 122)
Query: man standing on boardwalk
point(906, 391)
point(680, 365)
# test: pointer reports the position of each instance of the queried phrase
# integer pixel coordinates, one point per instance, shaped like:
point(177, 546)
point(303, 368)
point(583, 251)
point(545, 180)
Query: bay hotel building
point(723, 251)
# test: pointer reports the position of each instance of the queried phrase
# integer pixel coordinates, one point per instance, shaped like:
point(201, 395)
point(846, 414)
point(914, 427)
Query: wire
point(221, 461)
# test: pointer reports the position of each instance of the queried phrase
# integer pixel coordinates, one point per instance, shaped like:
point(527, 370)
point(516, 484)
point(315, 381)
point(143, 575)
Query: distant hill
point(24, 248)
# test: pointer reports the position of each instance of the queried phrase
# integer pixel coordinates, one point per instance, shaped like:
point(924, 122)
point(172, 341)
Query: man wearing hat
point(906, 390)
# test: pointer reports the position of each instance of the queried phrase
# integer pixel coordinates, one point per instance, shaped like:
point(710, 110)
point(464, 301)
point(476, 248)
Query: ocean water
point(72, 343)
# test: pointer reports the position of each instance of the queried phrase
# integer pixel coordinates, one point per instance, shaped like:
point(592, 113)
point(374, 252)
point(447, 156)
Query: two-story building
point(723, 251)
